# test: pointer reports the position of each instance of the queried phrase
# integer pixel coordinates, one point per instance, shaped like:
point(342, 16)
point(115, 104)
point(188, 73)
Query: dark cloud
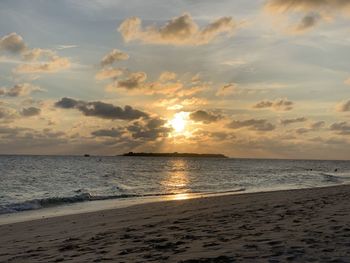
point(107, 133)
point(13, 43)
point(18, 90)
point(308, 22)
point(311, 128)
point(252, 124)
point(11, 130)
point(204, 116)
point(341, 128)
point(31, 111)
point(101, 110)
point(150, 129)
point(302, 130)
point(291, 121)
point(317, 125)
point(278, 105)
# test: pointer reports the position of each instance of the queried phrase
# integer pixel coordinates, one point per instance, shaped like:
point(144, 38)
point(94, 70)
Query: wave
point(83, 197)
point(56, 201)
point(331, 178)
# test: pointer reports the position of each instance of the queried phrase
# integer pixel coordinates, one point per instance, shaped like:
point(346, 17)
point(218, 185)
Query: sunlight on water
point(181, 196)
point(177, 177)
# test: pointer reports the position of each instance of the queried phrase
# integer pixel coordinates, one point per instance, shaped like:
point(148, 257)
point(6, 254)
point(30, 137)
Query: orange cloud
point(109, 73)
point(180, 30)
point(54, 64)
point(113, 56)
point(343, 106)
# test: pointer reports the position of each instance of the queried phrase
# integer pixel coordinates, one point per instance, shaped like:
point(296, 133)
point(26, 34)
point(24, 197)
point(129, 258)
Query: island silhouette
point(175, 154)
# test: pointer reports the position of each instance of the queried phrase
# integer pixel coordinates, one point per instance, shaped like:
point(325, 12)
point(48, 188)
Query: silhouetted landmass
point(176, 154)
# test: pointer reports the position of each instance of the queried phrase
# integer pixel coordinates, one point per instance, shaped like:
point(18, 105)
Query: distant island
point(175, 154)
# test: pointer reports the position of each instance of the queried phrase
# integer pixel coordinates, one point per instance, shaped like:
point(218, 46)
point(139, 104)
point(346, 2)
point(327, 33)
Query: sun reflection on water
point(176, 179)
point(183, 196)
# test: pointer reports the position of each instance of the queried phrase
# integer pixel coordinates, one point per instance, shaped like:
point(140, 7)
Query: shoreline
point(287, 225)
point(119, 203)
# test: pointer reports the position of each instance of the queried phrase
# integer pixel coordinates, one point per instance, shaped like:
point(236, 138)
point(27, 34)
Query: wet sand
point(310, 225)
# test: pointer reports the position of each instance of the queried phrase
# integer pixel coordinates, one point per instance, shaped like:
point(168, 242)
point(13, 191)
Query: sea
point(39, 182)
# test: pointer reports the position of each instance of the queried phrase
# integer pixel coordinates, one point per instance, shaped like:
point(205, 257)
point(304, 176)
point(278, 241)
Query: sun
point(178, 123)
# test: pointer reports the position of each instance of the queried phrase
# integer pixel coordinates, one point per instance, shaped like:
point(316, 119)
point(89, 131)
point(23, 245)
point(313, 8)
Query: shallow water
point(34, 182)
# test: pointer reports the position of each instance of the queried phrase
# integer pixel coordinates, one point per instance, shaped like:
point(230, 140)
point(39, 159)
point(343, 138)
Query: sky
point(249, 79)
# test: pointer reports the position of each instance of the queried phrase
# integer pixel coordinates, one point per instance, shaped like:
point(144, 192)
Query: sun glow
point(178, 123)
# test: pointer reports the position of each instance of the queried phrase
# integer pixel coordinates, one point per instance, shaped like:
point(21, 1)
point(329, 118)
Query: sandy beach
point(311, 225)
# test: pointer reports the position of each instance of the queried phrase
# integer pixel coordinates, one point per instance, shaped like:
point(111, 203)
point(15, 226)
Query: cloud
point(136, 83)
point(3, 113)
point(31, 111)
point(167, 76)
point(11, 130)
point(37, 60)
point(101, 110)
point(178, 103)
point(133, 81)
point(343, 106)
point(144, 130)
point(12, 43)
point(205, 117)
point(286, 122)
point(107, 133)
point(307, 22)
point(314, 10)
point(235, 62)
point(281, 6)
point(59, 47)
point(181, 30)
point(52, 65)
point(253, 124)
point(150, 129)
point(228, 89)
point(341, 128)
point(36, 53)
point(317, 125)
point(208, 136)
point(7, 114)
point(109, 73)
point(113, 56)
point(302, 130)
point(278, 105)
point(18, 90)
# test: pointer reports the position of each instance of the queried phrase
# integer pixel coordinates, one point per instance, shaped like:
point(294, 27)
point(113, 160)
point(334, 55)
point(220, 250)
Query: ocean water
point(35, 182)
